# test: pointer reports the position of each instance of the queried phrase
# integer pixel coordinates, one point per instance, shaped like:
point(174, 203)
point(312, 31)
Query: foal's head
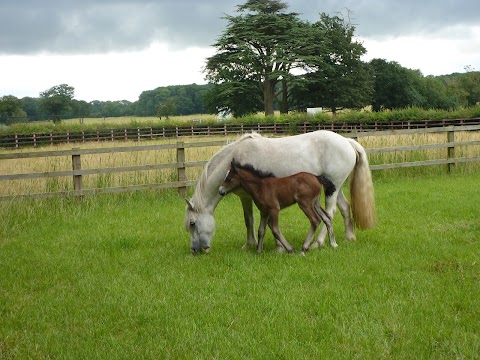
point(232, 180)
point(238, 173)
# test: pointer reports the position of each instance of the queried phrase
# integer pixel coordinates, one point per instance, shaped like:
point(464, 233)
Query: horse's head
point(201, 225)
point(231, 181)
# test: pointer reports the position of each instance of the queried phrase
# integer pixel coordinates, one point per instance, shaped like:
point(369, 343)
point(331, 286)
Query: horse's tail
point(362, 197)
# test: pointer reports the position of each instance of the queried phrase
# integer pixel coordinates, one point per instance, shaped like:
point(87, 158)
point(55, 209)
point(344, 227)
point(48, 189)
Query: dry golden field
point(110, 160)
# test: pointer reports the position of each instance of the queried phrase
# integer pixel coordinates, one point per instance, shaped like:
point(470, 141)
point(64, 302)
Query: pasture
point(112, 276)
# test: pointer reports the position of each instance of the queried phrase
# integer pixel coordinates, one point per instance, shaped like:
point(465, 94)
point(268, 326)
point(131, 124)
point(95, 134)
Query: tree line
point(270, 59)
point(59, 103)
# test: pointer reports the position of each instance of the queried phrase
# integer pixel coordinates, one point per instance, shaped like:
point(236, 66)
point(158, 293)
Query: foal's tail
point(361, 190)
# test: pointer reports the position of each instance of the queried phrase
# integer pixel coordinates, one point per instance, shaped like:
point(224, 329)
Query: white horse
point(320, 153)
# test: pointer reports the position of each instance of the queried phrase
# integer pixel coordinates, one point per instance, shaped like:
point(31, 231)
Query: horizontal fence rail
point(181, 163)
point(15, 141)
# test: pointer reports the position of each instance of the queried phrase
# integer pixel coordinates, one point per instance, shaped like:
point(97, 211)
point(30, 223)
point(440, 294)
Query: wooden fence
point(182, 163)
point(15, 141)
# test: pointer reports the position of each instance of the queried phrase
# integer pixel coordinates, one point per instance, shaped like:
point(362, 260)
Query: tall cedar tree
point(261, 45)
point(341, 78)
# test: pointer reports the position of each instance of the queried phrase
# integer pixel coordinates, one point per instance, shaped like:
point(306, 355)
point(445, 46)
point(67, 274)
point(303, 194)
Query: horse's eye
point(192, 223)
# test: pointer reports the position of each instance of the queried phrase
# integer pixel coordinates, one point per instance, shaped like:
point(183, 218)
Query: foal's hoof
point(280, 249)
point(248, 246)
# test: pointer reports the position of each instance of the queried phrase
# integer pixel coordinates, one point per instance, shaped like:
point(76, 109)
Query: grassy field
point(112, 277)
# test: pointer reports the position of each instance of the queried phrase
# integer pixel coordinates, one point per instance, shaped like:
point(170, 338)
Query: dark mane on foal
point(256, 172)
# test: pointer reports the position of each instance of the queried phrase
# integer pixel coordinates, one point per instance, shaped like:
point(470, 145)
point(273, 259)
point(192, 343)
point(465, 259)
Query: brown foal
point(272, 194)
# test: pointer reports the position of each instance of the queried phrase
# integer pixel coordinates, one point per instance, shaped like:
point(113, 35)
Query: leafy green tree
point(239, 98)
point(167, 108)
point(189, 99)
point(260, 45)
point(80, 109)
point(393, 85)
point(432, 93)
point(57, 100)
point(32, 107)
point(341, 79)
point(469, 82)
point(10, 105)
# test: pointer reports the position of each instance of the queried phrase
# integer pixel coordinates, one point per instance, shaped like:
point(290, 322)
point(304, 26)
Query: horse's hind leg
point(344, 207)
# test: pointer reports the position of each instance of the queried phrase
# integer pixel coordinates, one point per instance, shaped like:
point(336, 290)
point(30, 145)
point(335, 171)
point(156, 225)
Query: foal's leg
point(273, 224)
point(261, 231)
point(314, 222)
point(326, 220)
point(247, 204)
point(344, 207)
point(330, 208)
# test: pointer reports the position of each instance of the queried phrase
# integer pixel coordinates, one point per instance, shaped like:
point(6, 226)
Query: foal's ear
point(233, 165)
point(190, 204)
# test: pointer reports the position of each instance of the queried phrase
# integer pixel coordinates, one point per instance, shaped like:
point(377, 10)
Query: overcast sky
point(115, 49)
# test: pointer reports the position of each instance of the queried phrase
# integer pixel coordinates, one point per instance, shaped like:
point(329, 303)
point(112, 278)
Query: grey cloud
point(56, 26)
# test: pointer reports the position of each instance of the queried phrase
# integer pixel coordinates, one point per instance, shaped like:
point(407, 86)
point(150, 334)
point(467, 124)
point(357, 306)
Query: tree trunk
point(284, 104)
point(268, 96)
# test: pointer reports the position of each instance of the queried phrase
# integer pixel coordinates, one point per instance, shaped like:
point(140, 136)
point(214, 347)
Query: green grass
point(112, 277)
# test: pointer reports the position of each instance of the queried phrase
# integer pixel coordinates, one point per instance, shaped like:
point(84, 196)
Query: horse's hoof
point(350, 237)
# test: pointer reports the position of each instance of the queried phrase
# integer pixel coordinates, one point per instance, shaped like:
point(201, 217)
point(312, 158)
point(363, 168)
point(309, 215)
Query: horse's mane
point(250, 168)
point(197, 197)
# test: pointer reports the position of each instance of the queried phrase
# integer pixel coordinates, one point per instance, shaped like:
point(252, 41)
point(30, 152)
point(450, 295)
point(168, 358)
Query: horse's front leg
point(247, 204)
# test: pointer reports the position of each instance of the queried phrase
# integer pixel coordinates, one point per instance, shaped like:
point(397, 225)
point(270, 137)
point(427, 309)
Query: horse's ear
point(190, 204)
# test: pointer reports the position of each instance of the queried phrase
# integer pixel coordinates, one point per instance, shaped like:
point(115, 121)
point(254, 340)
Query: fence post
point(182, 190)
point(77, 179)
point(451, 149)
